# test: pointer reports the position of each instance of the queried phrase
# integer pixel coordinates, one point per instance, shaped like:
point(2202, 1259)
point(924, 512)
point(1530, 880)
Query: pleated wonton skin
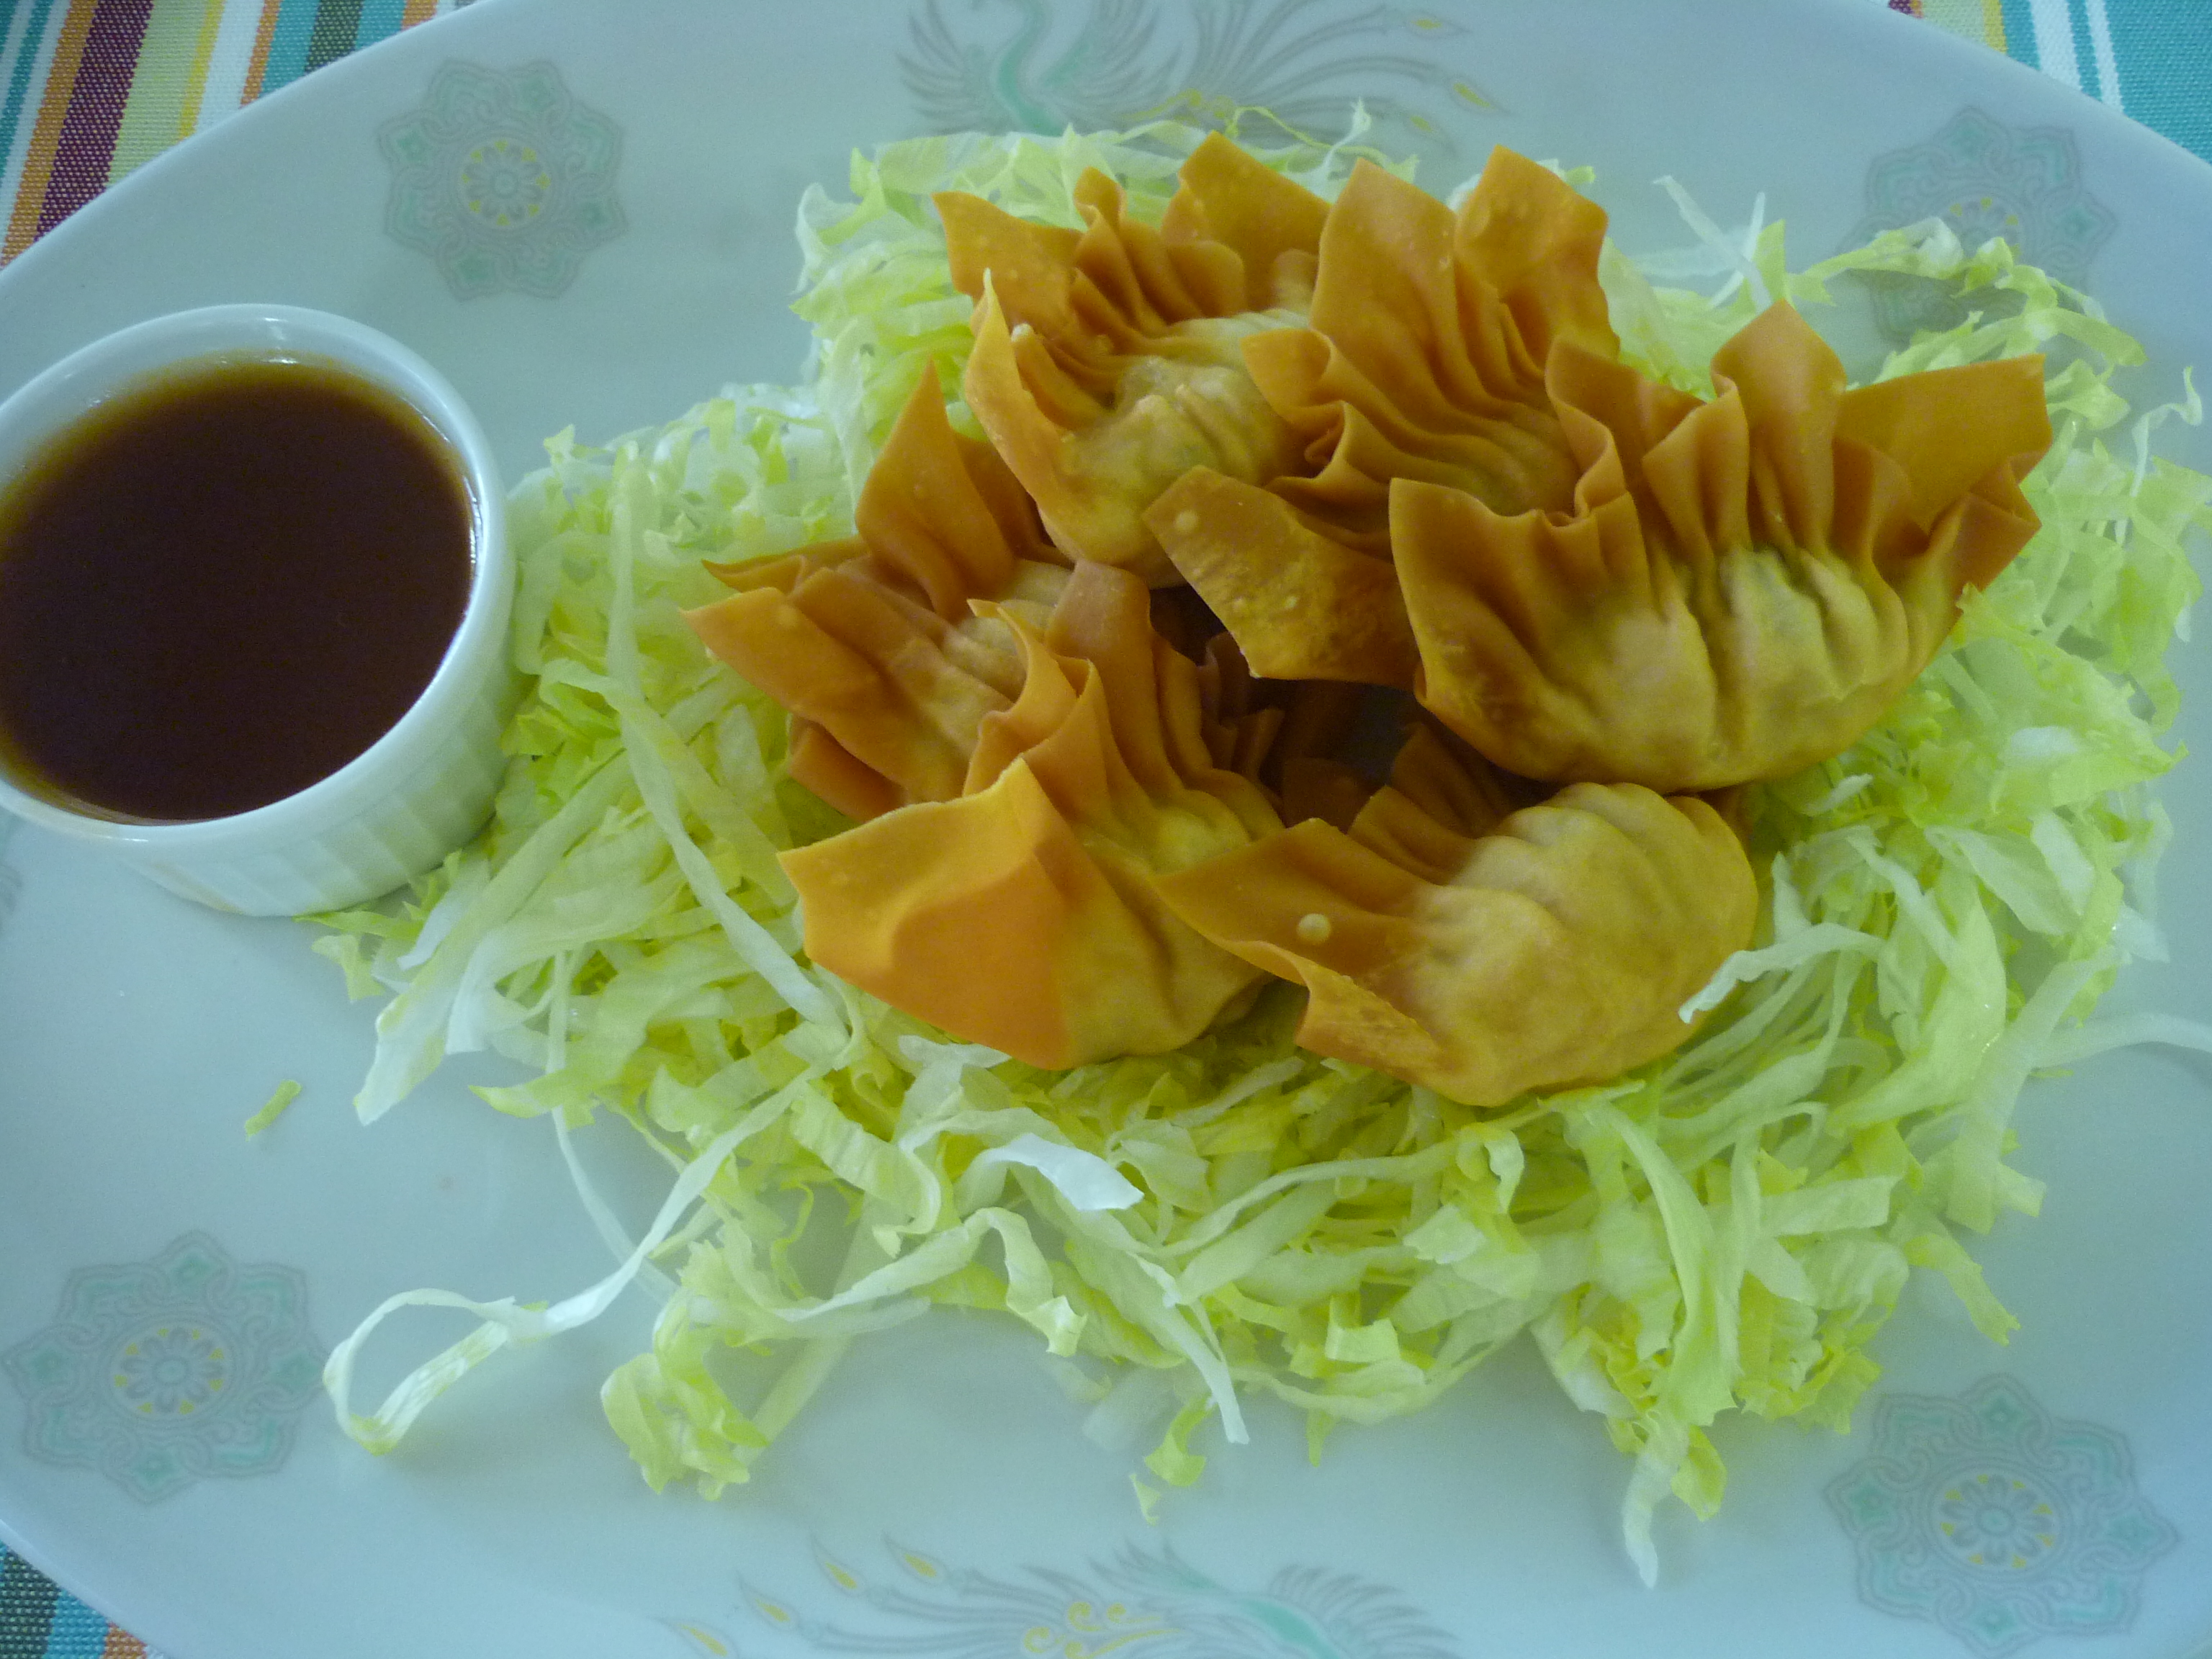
point(1108, 361)
point(1424, 358)
point(1485, 953)
point(1301, 604)
point(1024, 914)
point(1744, 584)
point(1424, 352)
point(871, 643)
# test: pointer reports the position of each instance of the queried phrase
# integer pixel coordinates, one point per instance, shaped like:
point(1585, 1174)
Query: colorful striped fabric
point(2151, 60)
point(38, 1622)
point(91, 88)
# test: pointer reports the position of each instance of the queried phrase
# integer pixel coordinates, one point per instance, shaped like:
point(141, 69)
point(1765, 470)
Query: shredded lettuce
point(1725, 1229)
point(275, 1107)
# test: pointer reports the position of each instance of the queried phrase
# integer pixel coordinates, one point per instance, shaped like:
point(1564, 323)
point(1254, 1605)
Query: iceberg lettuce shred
point(1725, 1229)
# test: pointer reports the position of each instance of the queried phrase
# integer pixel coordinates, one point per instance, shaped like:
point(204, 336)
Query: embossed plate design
point(581, 212)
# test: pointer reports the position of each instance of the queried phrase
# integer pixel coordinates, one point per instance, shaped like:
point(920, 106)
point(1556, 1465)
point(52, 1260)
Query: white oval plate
point(938, 1496)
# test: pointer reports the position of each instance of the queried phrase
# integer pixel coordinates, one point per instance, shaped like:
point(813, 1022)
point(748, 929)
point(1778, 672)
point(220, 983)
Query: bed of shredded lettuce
point(1725, 1229)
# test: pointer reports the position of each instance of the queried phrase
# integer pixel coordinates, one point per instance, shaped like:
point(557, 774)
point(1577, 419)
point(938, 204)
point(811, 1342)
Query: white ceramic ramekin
point(420, 790)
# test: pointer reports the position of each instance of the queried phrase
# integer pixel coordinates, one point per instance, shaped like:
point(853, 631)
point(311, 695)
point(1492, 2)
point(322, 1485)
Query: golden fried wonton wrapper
point(1023, 915)
point(1442, 796)
point(1744, 585)
point(1482, 953)
point(1424, 352)
point(1423, 359)
point(871, 643)
point(1108, 361)
point(1300, 605)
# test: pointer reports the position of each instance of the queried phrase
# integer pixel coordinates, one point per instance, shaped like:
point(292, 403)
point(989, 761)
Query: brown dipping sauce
point(222, 586)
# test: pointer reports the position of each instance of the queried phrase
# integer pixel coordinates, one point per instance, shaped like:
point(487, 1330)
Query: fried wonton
point(1023, 914)
point(871, 643)
point(1301, 604)
point(1483, 950)
point(1424, 358)
point(1424, 352)
point(1442, 795)
point(1297, 739)
point(1744, 585)
point(1108, 361)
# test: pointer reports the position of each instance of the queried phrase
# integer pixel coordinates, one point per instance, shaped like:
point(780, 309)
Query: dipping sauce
point(222, 586)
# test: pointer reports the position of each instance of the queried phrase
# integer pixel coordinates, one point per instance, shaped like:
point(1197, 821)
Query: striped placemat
point(91, 88)
point(2150, 59)
point(38, 1622)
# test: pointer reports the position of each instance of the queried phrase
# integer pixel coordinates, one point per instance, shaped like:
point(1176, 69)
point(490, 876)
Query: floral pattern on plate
point(1148, 1600)
point(1984, 178)
point(1998, 1522)
point(161, 1373)
point(502, 178)
point(1134, 60)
